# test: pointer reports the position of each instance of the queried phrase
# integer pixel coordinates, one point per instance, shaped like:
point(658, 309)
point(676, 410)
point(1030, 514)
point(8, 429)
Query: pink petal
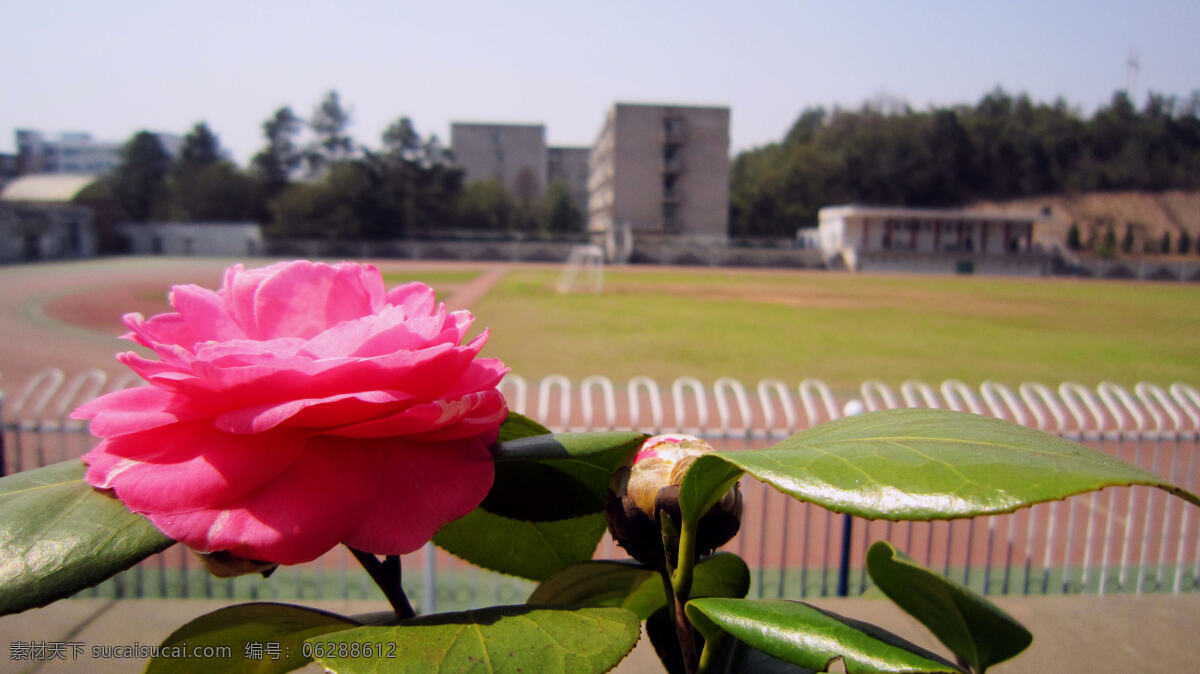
point(305, 299)
point(417, 299)
point(379, 334)
point(204, 312)
point(296, 517)
point(135, 409)
point(468, 416)
point(419, 488)
point(314, 413)
point(188, 466)
point(160, 330)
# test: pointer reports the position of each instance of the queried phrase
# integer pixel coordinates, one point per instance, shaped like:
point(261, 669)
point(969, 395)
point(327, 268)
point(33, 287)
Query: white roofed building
point(931, 240)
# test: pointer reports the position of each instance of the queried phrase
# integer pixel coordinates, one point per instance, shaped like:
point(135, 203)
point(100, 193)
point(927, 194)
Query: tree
point(279, 161)
point(556, 211)
point(402, 141)
point(331, 145)
point(1127, 240)
point(1073, 241)
point(1108, 247)
point(217, 192)
point(486, 205)
point(140, 180)
point(200, 148)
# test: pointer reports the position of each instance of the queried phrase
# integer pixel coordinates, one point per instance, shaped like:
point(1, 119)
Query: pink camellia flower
point(300, 406)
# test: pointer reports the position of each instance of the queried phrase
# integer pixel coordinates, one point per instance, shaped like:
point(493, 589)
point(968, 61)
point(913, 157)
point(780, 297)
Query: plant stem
point(386, 575)
point(678, 582)
point(681, 578)
point(685, 634)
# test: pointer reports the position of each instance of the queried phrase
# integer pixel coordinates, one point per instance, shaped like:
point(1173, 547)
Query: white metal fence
point(1119, 540)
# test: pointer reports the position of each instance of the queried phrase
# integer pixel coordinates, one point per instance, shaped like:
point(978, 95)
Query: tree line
point(1003, 147)
point(328, 186)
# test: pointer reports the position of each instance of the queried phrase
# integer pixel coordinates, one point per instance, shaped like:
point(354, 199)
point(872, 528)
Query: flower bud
point(640, 494)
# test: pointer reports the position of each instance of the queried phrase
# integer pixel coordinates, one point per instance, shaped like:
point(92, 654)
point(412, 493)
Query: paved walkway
point(1123, 633)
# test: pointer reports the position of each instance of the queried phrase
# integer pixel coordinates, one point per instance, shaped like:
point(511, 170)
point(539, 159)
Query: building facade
point(663, 171)
point(928, 240)
point(75, 152)
point(515, 155)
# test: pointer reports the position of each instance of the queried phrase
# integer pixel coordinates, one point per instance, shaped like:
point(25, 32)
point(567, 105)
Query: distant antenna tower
point(1132, 66)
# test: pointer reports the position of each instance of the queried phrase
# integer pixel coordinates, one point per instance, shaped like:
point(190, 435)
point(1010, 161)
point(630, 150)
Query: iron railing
point(1134, 539)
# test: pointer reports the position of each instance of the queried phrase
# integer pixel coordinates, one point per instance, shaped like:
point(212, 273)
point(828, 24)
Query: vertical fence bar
point(1189, 401)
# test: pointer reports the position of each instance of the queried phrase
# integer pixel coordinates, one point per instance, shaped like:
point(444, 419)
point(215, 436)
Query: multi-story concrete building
point(663, 170)
point(513, 154)
point(570, 164)
point(75, 152)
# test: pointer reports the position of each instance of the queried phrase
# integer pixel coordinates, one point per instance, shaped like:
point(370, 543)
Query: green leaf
point(533, 550)
point(973, 628)
point(922, 464)
point(544, 511)
point(262, 637)
point(497, 639)
point(519, 426)
point(810, 637)
point(59, 536)
point(531, 473)
point(703, 487)
point(637, 588)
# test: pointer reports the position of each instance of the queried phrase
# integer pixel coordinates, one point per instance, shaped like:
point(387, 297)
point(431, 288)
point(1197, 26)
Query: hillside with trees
point(1001, 149)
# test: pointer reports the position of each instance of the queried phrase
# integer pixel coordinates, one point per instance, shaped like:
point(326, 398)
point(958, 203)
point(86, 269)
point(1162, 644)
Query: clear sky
point(111, 68)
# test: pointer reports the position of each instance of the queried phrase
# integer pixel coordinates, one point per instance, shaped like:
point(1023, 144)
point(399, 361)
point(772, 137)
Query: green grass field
point(844, 328)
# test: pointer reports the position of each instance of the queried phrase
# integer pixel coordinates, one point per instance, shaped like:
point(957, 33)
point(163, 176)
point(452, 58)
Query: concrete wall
point(202, 239)
point(1149, 269)
point(499, 251)
point(906, 262)
point(514, 154)
point(31, 232)
point(692, 253)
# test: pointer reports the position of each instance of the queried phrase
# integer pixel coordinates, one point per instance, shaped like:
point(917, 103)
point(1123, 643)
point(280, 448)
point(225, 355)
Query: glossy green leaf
point(497, 639)
point(262, 638)
point(519, 426)
point(544, 511)
point(701, 489)
point(534, 550)
point(922, 464)
point(548, 477)
point(637, 588)
point(810, 637)
point(972, 627)
point(59, 536)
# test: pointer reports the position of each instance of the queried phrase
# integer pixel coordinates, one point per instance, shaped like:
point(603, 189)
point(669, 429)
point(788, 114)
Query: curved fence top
point(729, 408)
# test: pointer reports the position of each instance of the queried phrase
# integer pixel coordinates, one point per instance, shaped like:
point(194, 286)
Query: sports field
point(707, 323)
point(844, 328)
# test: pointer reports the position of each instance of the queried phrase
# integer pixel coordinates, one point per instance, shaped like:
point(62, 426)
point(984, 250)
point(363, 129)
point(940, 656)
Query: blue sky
point(112, 68)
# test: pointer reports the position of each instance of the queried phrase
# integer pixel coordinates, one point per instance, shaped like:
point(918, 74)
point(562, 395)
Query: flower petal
point(135, 409)
point(188, 466)
point(303, 299)
point(314, 413)
point(419, 488)
point(467, 416)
